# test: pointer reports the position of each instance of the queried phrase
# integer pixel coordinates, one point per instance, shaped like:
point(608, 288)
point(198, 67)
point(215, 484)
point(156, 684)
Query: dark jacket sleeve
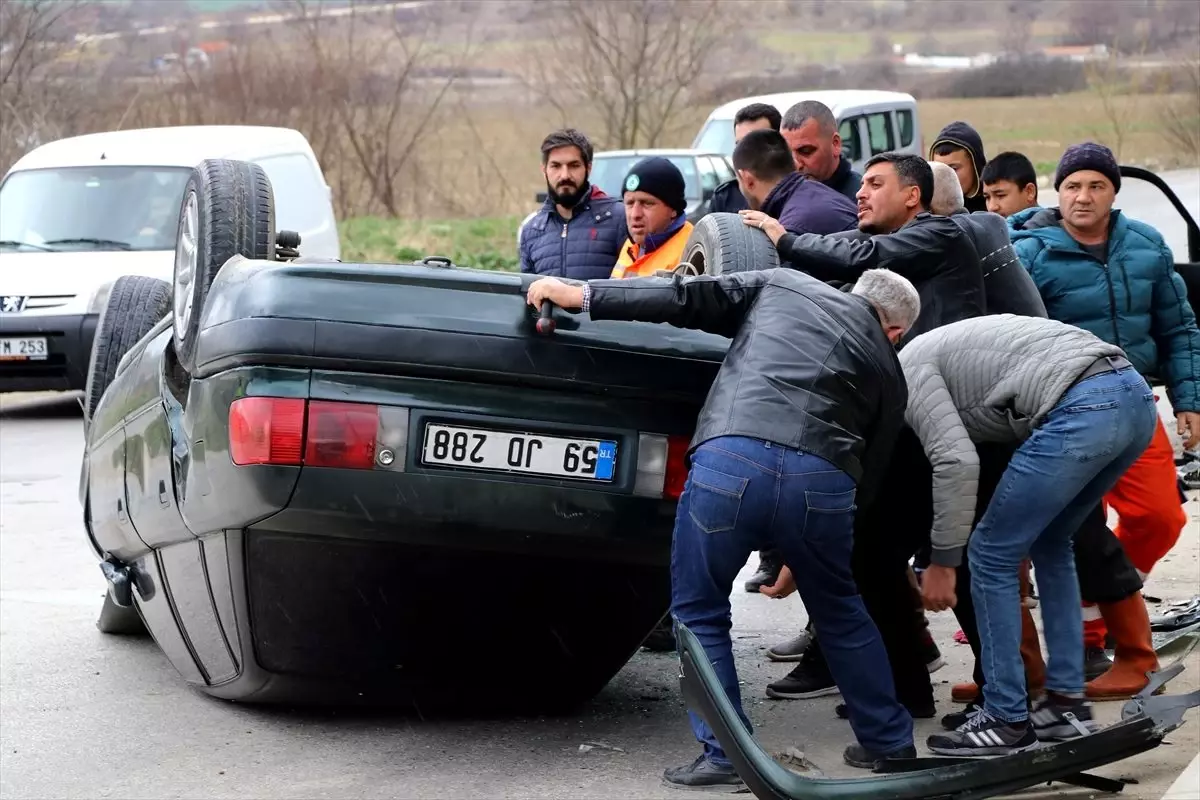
point(711, 303)
point(727, 199)
point(881, 439)
point(915, 251)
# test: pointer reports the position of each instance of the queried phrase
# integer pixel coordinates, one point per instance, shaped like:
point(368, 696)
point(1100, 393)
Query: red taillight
point(677, 471)
point(266, 430)
point(341, 435)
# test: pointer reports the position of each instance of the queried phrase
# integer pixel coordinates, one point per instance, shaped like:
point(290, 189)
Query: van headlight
point(100, 298)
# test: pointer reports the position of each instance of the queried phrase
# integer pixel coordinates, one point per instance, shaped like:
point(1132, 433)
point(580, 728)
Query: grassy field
point(504, 175)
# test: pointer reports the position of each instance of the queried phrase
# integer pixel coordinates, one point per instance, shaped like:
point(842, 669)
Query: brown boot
point(1031, 655)
point(1129, 623)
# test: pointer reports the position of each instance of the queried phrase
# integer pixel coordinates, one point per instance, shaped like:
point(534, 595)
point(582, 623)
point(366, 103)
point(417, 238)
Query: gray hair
point(802, 112)
point(947, 191)
point(892, 294)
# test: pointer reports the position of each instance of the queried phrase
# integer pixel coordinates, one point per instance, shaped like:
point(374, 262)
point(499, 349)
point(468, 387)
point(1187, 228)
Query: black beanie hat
point(659, 177)
point(1089, 155)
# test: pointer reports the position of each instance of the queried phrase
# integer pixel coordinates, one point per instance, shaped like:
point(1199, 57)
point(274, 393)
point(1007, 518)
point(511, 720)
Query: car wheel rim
point(186, 265)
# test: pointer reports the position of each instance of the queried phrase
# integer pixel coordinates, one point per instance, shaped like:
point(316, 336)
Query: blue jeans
point(743, 495)
point(1057, 476)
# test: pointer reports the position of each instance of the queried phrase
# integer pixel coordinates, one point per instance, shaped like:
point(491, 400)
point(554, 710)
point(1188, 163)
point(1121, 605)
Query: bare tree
point(34, 35)
point(632, 62)
point(384, 78)
point(1016, 35)
point(1180, 116)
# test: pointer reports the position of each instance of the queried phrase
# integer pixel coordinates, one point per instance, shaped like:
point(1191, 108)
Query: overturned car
point(315, 481)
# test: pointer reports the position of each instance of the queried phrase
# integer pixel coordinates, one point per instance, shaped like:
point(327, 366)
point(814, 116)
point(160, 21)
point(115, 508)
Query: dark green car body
point(400, 582)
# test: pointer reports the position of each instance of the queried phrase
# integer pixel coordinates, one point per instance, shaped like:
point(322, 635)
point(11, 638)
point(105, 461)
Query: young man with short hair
point(770, 183)
point(727, 198)
point(1009, 184)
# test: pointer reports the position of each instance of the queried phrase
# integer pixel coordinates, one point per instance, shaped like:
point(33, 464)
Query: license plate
point(529, 453)
point(29, 348)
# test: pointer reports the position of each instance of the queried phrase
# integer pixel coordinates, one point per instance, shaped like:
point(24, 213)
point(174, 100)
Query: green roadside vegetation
point(483, 243)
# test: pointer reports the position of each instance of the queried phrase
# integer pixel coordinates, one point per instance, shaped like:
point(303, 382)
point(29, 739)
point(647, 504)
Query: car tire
point(228, 210)
point(119, 621)
point(135, 305)
point(722, 243)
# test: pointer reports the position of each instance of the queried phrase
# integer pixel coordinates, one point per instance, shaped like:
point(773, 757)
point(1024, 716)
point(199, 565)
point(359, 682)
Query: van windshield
point(92, 208)
point(716, 137)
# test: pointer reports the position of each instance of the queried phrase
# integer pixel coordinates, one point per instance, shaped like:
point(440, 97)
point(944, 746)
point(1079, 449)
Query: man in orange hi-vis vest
point(655, 203)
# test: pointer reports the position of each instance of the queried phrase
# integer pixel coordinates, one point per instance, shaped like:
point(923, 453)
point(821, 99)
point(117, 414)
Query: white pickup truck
point(78, 213)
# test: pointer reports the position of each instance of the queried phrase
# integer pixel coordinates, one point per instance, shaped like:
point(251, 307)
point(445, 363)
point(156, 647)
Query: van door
point(302, 203)
point(880, 138)
point(852, 142)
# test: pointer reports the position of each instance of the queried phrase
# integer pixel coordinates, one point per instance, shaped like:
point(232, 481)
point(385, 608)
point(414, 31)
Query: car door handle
point(163, 499)
point(121, 515)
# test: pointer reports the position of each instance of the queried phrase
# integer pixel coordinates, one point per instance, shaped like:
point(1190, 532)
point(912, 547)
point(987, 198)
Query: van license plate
point(28, 348)
point(528, 453)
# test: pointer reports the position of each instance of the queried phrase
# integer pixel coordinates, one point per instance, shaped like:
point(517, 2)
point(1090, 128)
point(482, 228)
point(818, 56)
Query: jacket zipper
point(1112, 305)
point(562, 256)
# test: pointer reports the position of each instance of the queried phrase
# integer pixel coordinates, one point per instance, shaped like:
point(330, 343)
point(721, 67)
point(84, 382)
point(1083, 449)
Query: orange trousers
point(1150, 517)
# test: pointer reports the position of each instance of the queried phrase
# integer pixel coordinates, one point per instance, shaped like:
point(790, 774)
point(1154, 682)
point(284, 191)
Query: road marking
point(1187, 785)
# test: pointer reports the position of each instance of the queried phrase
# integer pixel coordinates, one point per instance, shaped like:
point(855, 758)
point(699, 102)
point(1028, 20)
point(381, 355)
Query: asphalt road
point(87, 715)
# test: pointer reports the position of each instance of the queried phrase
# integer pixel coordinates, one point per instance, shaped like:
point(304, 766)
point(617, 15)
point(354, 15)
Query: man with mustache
point(937, 256)
point(578, 231)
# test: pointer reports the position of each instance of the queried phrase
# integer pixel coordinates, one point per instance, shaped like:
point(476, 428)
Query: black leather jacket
point(1008, 287)
point(933, 252)
point(809, 366)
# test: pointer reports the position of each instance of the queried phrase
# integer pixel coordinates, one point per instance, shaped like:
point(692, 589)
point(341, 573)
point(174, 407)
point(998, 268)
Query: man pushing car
point(794, 435)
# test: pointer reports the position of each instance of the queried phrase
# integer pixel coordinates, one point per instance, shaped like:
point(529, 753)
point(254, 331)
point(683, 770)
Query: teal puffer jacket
point(1136, 300)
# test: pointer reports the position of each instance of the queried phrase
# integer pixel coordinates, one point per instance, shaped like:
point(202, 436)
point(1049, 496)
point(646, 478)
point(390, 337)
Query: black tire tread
point(729, 245)
point(135, 304)
point(236, 205)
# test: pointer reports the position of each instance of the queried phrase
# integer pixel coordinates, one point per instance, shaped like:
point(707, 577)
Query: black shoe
point(662, 638)
point(984, 735)
point(769, 564)
point(1057, 718)
point(810, 678)
point(916, 712)
point(1095, 663)
point(703, 775)
point(955, 719)
point(858, 756)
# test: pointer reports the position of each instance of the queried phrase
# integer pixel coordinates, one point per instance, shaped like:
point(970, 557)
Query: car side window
point(724, 171)
point(296, 188)
point(879, 129)
point(904, 121)
point(851, 145)
point(708, 174)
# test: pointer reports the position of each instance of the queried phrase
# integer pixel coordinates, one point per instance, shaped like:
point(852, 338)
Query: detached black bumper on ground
point(1146, 721)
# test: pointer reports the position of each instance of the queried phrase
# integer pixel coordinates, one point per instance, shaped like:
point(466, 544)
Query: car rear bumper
point(69, 347)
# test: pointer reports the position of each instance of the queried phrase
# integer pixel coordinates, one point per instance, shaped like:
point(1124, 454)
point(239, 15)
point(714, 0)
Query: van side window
point(851, 145)
point(904, 121)
point(297, 190)
point(879, 130)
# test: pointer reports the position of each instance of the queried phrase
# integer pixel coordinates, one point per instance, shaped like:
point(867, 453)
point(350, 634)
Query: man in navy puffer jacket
point(579, 230)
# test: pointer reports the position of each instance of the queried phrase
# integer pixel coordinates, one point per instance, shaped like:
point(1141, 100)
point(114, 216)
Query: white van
point(870, 122)
point(78, 213)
